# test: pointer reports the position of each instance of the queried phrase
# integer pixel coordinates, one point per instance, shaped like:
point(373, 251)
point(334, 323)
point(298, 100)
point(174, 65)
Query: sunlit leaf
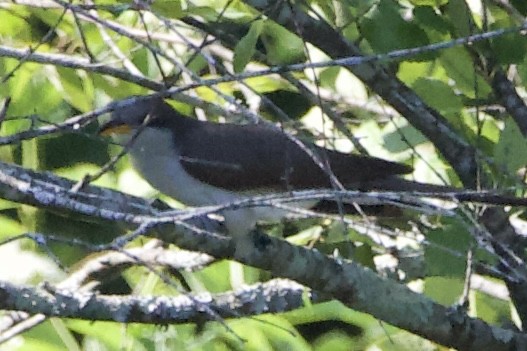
point(244, 50)
point(168, 8)
point(76, 89)
point(14, 26)
point(79, 171)
point(445, 290)
point(282, 46)
point(10, 227)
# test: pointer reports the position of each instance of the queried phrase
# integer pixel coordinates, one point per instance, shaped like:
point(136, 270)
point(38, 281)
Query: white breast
point(154, 156)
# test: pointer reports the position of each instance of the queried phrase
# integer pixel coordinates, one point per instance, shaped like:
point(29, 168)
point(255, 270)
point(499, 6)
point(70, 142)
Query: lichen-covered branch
point(346, 281)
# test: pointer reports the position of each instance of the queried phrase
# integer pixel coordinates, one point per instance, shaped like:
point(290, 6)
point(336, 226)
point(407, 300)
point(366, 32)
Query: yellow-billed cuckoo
point(202, 163)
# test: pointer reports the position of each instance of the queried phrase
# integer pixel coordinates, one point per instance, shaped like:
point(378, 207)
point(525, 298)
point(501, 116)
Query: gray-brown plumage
point(203, 163)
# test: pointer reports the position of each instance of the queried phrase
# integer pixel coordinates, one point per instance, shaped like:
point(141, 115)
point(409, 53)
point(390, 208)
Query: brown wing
point(238, 157)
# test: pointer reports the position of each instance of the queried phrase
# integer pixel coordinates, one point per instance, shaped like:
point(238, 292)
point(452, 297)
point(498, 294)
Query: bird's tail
point(404, 185)
point(446, 192)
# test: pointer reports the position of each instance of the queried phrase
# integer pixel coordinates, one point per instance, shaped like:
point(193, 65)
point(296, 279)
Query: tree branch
point(277, 295)
point(346, 281)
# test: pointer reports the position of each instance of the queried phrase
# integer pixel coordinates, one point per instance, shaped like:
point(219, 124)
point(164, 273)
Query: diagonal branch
point(346, 281)
point(277, 295)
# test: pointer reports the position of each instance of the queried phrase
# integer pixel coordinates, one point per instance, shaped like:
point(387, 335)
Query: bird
point(202, 163)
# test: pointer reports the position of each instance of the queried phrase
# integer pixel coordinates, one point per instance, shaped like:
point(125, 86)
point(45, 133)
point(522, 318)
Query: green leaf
point(269, 332)
point(41, 344)
point(328, 76)
point(402, 341)
point(76, 90)
point(14, 26)
point(445, 254)
point(459, 67)
point(282, 46)
point(244, 50)
point(438, 94)
point(509, 153)
point(6, 205)
point(510, 48)
point(108, 334)
point(52, 19)
point(385, 30)
point(364, 255)
point(409, 72)
point(78, 171)
point(32, 91)
point(10, 227)
point(265, 84)
point(43, 337)
point(428, 18)
point(444, 290)
point(116, 89)
point(403, 138)
point(491, 309)
point(168, 8)
point(208, 13)
point(334, 341)
point(460, 18)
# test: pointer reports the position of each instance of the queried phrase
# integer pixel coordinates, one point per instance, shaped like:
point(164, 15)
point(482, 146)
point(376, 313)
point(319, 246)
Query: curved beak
point(114, 127)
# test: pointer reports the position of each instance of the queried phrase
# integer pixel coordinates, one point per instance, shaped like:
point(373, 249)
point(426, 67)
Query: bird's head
point(129, 116)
